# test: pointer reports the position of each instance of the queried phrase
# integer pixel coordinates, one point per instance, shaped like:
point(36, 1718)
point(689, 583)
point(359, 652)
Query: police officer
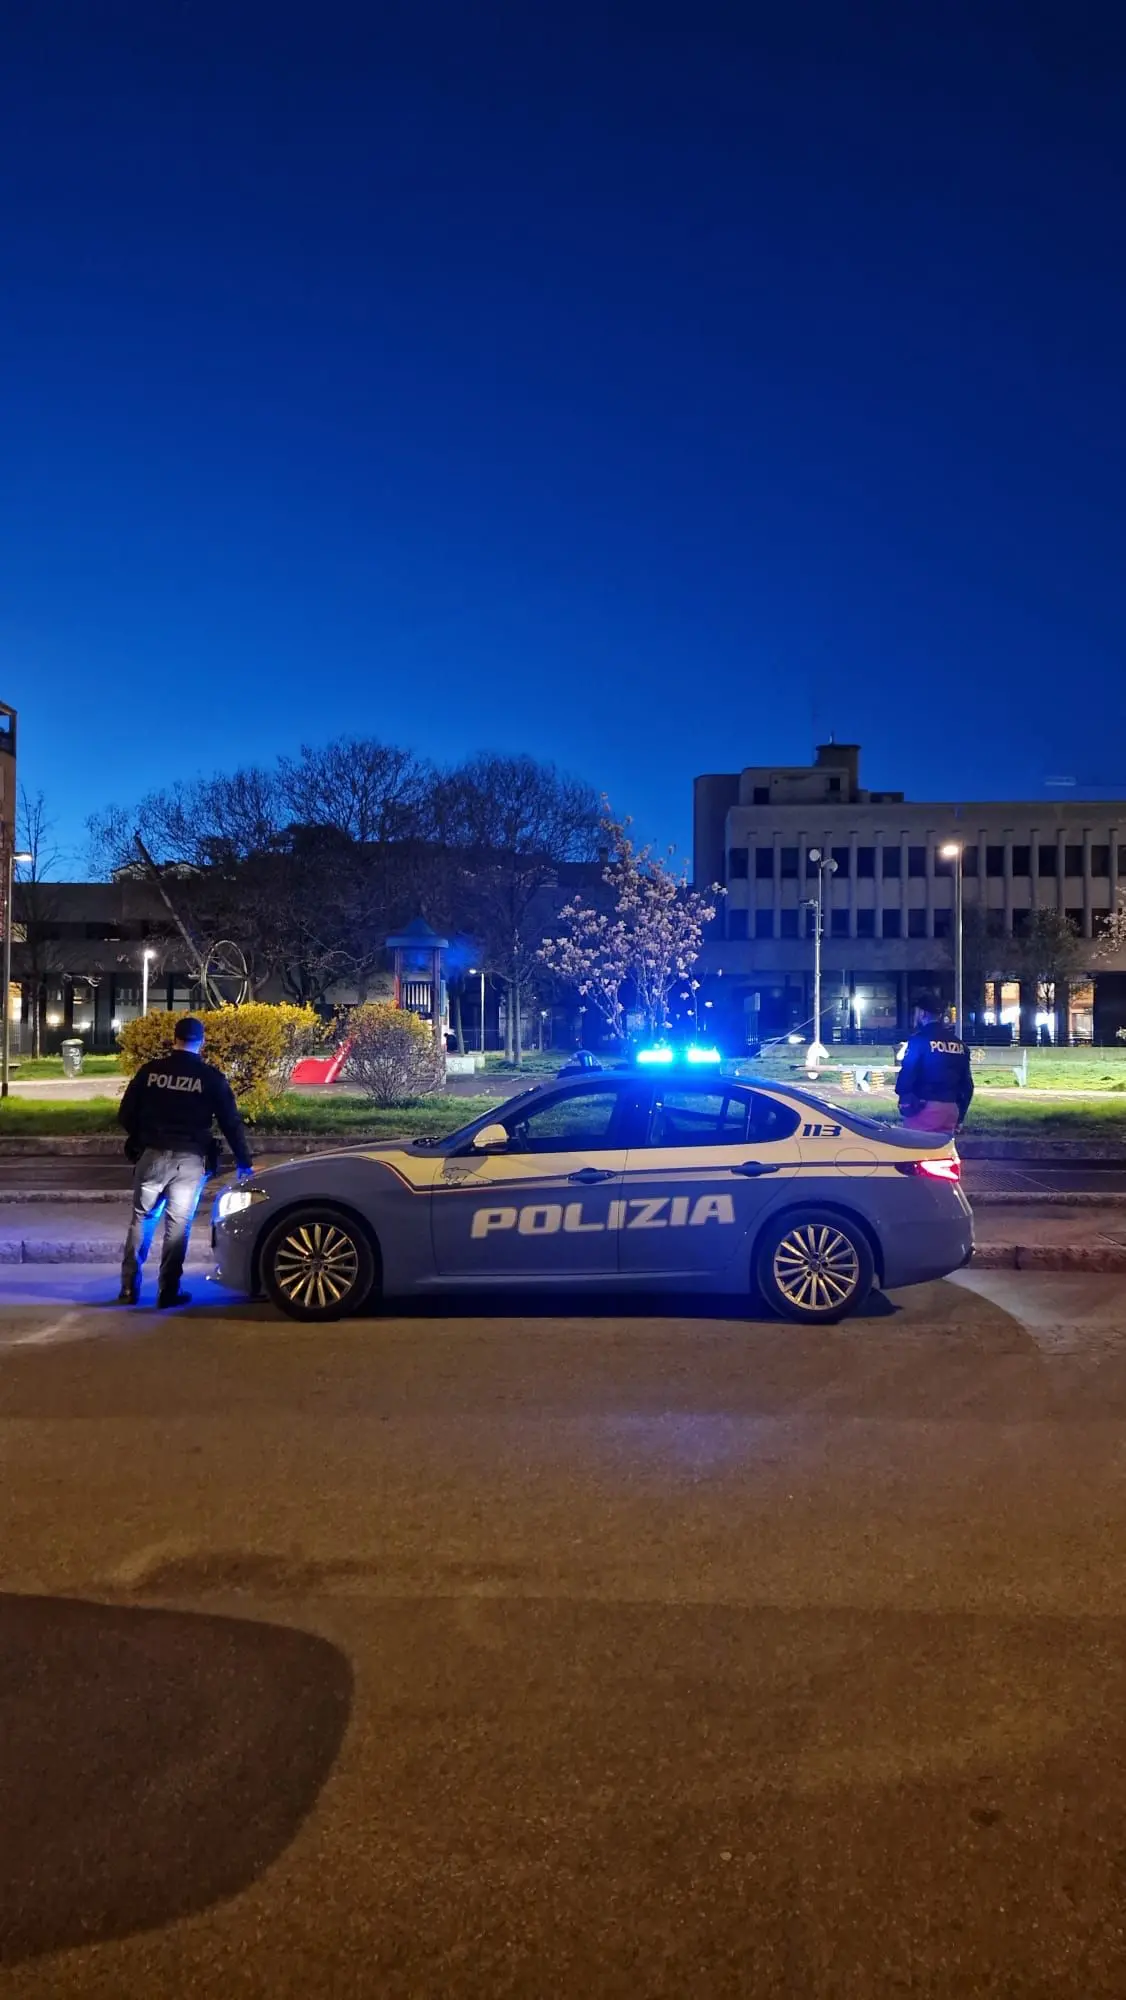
point(167, 1112)
point(934, 1085)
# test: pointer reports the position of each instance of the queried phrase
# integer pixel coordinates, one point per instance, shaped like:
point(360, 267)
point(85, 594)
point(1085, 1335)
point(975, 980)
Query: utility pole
point(816, 1052)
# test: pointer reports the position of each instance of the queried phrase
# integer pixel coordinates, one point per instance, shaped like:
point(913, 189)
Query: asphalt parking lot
point(615, 1652)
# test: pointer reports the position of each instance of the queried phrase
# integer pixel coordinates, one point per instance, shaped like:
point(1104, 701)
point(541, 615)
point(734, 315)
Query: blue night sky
point(650, 388)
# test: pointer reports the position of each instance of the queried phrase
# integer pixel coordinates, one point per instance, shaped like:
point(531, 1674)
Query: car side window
point(719, 1117)
point(577, 1121)
point(770, 1120)
point(699, 1118)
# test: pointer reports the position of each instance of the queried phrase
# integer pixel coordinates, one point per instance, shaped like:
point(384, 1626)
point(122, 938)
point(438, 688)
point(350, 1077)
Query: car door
point(546, 1204)
point(714, 1157)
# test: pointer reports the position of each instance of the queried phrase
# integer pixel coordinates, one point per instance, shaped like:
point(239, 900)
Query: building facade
point(890, 907)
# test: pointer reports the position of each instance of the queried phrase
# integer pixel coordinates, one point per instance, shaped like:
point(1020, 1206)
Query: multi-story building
point(890, 906)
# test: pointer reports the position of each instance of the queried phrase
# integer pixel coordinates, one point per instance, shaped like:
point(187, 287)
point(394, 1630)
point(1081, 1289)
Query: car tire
point(815, 1266)
point(318, 1264)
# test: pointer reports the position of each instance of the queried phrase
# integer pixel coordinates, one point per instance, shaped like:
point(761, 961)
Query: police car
point(668, 1176)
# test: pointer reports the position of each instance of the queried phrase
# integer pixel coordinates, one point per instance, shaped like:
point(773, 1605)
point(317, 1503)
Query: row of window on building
point(873, 923)
point(759, 862)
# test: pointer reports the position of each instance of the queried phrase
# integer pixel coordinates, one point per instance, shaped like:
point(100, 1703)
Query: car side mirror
point(489, 1138)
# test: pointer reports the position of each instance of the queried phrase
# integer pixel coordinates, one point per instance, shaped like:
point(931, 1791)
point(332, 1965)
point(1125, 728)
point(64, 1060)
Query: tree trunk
point(508, 1043)
point(517, 1026)
point(1061, 1007)
point(459, 1035)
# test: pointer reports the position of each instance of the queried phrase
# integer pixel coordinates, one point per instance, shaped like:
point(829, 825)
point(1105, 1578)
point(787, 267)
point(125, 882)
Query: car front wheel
point(318, 1264)
point(815, 1265)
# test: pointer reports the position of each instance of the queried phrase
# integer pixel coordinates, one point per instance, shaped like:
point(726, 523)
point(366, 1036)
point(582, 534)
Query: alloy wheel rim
point(316, 1264)
point(816, 1267)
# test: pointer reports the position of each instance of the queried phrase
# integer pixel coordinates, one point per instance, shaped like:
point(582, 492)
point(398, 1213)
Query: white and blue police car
point(668, 1175)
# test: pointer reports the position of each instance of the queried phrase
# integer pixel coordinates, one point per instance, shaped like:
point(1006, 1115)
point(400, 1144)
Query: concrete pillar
point(930, 839)
point(1034, 867)
point(1087, 924)
point(1008, 882)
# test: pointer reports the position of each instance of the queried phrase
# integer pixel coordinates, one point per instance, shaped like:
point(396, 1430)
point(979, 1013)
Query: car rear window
point(718, 1117)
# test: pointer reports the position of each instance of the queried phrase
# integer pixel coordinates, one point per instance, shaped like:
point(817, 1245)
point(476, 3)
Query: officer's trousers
point(171, 1181)
point(934, 1116)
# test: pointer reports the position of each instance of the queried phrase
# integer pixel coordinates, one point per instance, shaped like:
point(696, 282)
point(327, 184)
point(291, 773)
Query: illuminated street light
point(816, 1052)
point(951, 850)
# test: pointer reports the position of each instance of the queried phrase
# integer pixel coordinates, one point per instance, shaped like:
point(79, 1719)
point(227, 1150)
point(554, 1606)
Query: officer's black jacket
point(936, 1066)
point(170, 1103)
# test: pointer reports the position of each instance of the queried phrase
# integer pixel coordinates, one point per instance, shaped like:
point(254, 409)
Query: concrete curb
point(1093, 1258)
point(1048, 1198)
point(77, 1250)
point(22, 1197)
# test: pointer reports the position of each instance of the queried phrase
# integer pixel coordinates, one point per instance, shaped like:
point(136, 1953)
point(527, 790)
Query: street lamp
point(481, 977)
point(146, 960)
point(816, 1052)
point(952, 851)
point(14, 861)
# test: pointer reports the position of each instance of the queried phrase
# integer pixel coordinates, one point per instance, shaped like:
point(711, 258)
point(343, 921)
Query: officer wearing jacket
point(934, 1085)
point(168, 1110)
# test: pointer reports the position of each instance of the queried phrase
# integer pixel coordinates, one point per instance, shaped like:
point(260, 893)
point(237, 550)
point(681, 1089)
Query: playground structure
point(322, 1069)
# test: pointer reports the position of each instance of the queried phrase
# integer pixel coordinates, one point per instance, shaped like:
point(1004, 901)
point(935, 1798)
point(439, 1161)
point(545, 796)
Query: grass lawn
point(431, 1116)
point(38, 1070)
point(343, 1117)
point(54, 1116)
point(1102, 1120)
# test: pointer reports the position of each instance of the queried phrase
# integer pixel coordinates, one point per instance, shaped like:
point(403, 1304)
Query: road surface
point(614, 1653)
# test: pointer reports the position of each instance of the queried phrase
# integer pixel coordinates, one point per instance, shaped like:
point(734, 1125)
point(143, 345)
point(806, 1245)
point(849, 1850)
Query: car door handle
point(587, 1176)
point(753, 1168)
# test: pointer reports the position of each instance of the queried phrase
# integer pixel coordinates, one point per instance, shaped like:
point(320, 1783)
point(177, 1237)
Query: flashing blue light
point(703, 1055)
point(654, 1055)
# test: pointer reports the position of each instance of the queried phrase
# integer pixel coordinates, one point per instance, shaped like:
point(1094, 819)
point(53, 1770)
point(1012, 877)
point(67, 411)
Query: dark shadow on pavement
point(151, 1762)
point(543, 1303)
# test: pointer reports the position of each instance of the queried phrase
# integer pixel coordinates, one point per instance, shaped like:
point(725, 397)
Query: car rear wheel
point(815, 1265)
point(318, 1264)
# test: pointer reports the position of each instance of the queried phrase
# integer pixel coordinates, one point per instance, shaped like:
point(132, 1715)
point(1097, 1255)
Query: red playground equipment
point(321, 1069)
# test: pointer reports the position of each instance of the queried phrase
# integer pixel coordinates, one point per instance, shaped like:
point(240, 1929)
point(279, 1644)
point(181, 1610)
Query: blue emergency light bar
point(662, 1055)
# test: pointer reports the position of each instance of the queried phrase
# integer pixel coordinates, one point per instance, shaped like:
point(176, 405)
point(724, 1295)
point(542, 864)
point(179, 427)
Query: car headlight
point(233, 1200)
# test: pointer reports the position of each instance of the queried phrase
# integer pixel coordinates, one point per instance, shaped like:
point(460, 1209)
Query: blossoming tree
point(646, 938)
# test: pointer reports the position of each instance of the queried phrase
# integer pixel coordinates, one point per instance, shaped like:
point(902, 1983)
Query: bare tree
point(36, 906)
point(513, 822)
point(369, 791)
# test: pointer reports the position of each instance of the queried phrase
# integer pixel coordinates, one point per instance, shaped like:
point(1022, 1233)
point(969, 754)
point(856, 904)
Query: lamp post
point(22, 861)
point(816, 1052)
point(146, 960)
point(952, 851)
point(481, 977)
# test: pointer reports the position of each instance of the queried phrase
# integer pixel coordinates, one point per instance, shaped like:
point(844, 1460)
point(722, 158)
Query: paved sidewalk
point(1076, 1234)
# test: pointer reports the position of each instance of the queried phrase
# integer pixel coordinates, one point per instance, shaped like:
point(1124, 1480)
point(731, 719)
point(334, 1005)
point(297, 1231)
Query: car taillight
point(934, 1170)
